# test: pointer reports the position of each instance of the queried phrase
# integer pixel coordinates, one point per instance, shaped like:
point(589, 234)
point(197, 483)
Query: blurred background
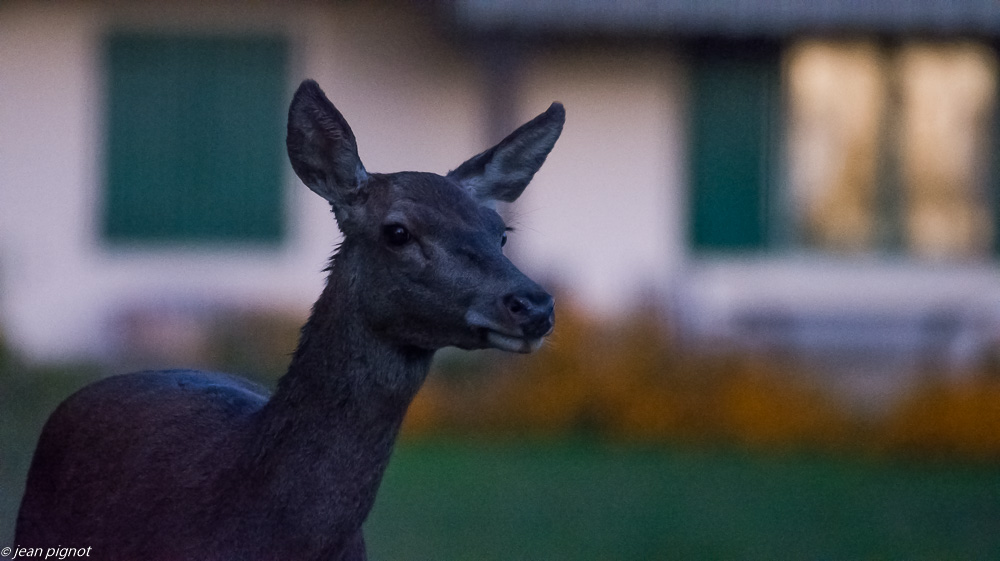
point(773, 229)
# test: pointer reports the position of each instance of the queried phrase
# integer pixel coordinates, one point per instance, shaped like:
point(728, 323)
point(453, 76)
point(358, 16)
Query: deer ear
point(322, 148)
point(502, 172)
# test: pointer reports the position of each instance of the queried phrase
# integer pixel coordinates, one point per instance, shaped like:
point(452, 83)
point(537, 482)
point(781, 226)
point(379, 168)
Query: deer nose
point(533, 312)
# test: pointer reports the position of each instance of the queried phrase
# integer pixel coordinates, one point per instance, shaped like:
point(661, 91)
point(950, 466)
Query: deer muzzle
point(519, 324)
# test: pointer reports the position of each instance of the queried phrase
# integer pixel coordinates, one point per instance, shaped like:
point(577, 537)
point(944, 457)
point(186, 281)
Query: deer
point(188, 464)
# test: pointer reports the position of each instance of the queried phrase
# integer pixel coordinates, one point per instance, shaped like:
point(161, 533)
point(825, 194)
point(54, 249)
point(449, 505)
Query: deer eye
point(503, 240)
point(396, 234)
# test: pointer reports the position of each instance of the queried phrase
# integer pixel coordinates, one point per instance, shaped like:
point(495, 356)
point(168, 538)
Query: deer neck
point(325, 437)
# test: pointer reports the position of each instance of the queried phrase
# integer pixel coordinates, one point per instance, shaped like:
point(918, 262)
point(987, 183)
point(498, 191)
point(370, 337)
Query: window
point(194, 139)
point(873, 148)
point(887, 147)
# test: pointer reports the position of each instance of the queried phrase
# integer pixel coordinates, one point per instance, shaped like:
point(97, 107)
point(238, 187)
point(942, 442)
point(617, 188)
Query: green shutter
point(734, 102)
point(194, 138)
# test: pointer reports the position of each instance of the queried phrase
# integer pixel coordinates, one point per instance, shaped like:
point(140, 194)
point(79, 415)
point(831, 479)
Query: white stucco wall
point(605, 213)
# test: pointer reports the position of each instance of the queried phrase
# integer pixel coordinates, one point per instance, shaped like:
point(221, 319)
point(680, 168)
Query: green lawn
point(462, 500)
point(469, 499)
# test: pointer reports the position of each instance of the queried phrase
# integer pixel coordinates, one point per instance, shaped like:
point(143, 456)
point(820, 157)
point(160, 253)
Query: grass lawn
point(461, 500)
point(455, 499)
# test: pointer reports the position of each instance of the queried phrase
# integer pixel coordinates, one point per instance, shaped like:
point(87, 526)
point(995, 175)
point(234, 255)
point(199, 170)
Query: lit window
point(888, 148)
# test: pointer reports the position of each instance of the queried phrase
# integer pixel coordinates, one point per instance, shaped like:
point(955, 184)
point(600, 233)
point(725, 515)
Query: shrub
point(630, 380)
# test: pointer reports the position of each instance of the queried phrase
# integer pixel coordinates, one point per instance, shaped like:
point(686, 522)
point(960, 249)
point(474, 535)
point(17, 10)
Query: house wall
point(603, 217)
point(606, 212)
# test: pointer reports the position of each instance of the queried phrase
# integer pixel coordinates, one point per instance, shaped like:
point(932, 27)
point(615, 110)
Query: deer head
point(424, 251)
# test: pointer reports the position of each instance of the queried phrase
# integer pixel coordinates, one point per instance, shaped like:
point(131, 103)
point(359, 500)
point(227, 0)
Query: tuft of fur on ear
point(322, 148)
point(502, 172)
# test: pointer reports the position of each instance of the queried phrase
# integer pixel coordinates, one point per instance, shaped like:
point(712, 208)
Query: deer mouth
point(493, 335)
point(511, 343)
